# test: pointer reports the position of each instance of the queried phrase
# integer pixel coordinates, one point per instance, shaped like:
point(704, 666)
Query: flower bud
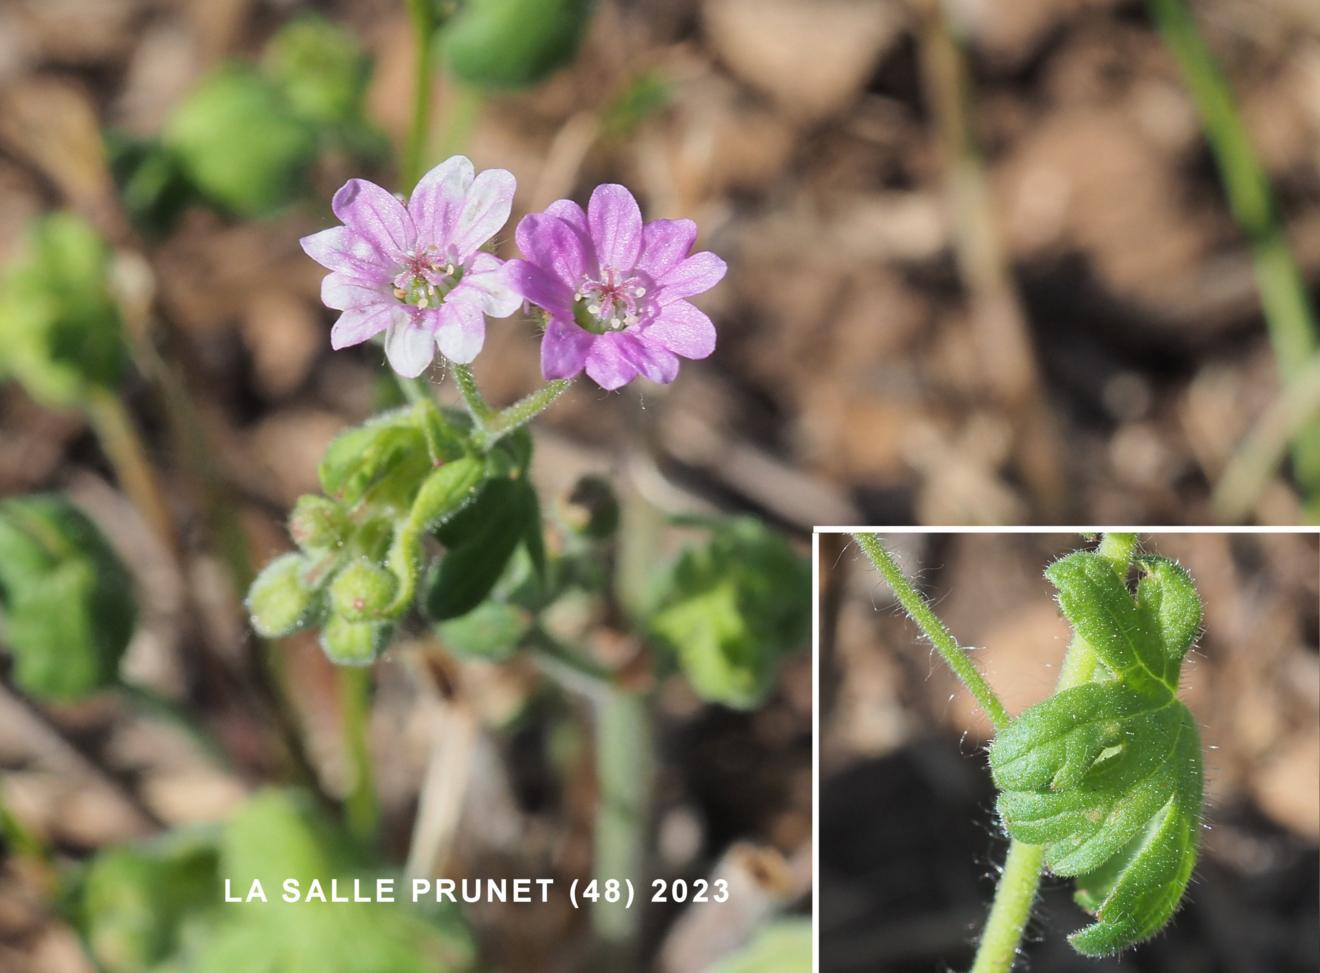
point(362, 591)
point(280, 601)
point(350, 643)
point(317, 523)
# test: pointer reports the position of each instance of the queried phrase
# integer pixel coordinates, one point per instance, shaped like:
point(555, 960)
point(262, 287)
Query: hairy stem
point(1016, 892)
point(1283, 293)
point(933, 628)
point(476, 403)
point(524, 410)
point(355, 708)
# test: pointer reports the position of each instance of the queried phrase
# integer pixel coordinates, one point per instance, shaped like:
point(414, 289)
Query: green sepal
point(318, 524)
point(67, 600)
point(353, 643)
point(282, 599)
point(362, 591)
point(479, 543)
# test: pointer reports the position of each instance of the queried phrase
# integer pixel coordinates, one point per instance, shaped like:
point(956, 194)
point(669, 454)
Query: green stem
point(624, 776)
point(1283, 293)
point(422, 13)
point(1021, 876)
point(123, 447)
point(523, 411)
point(355, 709)
point(476, 403)
point(933, 628)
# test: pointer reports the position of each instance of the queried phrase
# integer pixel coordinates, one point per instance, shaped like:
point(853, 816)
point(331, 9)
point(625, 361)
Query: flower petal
point(535, 285)
point(664, 244)
point(682, 329)
point(460, 331)
point(374, 214)
point(341, 292)
point(358, 324)
point(340, 249)
point(619, 357)
point(560, 249)
point(564, 209)
point(437, 200)
point(409, 346)
point(486, 209)
point(699, 272)
point(616, 226)
point(487, 285)
point(564, 349)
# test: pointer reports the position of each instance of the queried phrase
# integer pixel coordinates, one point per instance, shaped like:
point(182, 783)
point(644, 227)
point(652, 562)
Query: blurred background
point(910, 848)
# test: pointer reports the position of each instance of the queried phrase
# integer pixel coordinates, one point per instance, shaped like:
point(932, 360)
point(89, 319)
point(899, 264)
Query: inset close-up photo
point(1084, 753)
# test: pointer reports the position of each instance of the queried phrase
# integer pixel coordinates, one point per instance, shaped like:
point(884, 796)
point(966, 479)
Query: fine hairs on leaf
point(1102, 782)
point(1108, 775)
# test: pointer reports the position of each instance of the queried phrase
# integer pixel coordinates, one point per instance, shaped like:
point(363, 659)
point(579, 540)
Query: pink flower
point(613, 289)
point(417, 272)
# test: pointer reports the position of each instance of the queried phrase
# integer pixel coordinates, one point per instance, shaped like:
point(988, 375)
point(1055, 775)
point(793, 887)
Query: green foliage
point(134, 901)
point(493, 631)
point(782, 947)
point(158, 907)
point(478, 545)
point(152, 185)
point(240, 142)
point(730, 608)
point(1108, 775)
point(321, 69)
point(66, 600)
point(61, 334)
point(644, 97)
point(513, 43)
point(389, 482)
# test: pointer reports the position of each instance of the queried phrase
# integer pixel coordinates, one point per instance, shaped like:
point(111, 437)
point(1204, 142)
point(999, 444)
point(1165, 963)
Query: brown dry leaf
point(52, 125)
point(1287, 787)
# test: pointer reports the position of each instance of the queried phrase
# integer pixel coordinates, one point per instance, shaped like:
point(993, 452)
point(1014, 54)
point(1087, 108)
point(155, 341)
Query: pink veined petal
point(617, 358)
point(341, 292)
point(699, 272)
point(564, 349)
point(561, 250)
point(340, 249)
point(460, 331)
point(437, 201)
point(664, 244)
point(683, 329)
point(564, 209)
point(409, 346)
point(358, 324)
point(487, 285)
point(485, 210)
point(616, 226)
point(535, 285)
point(374, 214)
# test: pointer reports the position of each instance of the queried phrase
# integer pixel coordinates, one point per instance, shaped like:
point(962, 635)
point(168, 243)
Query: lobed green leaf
point(1108, 775)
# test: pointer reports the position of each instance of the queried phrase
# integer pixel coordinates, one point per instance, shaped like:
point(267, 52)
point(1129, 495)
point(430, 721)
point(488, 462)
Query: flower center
point(609, 304)
point(425, 278)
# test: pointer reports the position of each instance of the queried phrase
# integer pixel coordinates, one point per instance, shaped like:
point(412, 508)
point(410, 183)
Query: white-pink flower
point(417, 272)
